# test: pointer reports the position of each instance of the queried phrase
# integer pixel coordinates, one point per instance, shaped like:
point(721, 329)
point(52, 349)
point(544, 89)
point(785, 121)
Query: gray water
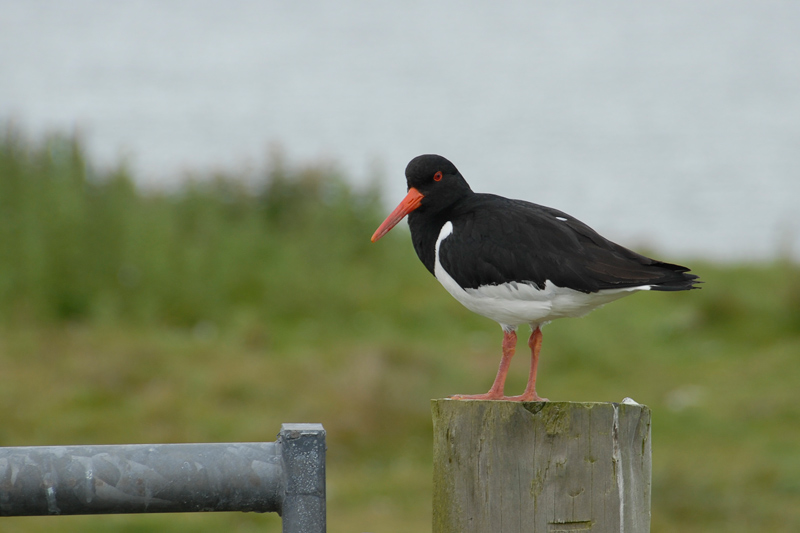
point(672, 126)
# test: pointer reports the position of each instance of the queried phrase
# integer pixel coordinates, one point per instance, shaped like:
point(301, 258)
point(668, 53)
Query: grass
point(220, 310)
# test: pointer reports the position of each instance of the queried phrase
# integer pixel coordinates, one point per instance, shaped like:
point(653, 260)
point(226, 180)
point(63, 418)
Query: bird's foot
point(527, 397)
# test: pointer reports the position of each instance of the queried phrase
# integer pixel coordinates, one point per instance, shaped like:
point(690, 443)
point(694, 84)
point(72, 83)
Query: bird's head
point(433, 184)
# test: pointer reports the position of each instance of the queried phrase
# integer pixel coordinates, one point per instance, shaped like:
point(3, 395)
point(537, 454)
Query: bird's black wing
point(496, 240)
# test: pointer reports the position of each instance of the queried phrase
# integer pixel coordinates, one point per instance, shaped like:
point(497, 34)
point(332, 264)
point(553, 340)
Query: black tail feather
point(682, 280)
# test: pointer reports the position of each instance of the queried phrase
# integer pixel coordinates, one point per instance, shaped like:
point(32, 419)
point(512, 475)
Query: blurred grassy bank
point(222, 309)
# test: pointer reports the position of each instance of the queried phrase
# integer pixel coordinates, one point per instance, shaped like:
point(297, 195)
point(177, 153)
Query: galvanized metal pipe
point(287, 477)
point(142, 478)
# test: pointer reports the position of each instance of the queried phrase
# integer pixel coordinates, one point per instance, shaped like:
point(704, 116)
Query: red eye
point(437, 176)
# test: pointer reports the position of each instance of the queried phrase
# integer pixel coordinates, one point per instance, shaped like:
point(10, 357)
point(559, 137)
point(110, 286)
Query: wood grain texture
point(544, 467)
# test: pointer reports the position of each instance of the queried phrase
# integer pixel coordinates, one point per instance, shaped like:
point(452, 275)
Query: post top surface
point(628, 403)
point(303, 428)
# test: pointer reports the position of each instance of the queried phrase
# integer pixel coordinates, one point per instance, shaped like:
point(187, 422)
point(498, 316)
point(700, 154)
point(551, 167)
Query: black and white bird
point(517, 262)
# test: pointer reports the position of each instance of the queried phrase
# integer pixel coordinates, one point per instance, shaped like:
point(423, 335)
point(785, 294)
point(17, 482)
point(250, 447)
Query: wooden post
point(543, 467)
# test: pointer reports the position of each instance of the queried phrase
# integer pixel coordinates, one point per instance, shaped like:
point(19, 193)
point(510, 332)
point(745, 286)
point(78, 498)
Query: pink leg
point(535, 344)
point(496, 392)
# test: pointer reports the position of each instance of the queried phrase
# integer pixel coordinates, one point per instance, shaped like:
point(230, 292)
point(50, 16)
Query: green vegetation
point(220, 310)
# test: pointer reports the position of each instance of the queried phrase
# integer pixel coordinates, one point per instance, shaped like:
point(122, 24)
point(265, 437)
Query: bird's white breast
point(515, 303)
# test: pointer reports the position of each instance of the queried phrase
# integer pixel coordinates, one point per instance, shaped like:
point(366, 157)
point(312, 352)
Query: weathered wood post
point(543, 467)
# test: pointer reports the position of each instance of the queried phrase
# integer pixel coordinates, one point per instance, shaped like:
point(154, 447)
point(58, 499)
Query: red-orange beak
point(408, 204)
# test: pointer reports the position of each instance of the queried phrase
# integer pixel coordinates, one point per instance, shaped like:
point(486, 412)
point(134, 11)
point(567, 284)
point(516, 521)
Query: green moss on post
point(509, 467)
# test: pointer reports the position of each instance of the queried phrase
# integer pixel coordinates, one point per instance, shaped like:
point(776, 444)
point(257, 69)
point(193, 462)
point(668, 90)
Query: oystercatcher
point(517, 262)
